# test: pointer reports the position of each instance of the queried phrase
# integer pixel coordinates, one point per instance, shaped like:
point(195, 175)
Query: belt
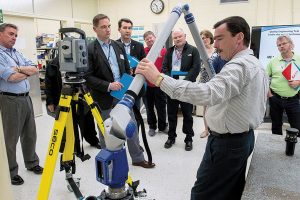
point(226, 135)
point(14, 94)
point(286, 98)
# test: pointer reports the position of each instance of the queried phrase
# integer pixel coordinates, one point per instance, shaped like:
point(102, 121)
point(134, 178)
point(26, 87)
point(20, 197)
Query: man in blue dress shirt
point(16, 105)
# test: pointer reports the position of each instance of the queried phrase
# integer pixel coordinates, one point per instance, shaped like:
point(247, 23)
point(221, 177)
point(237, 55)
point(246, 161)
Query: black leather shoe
point(17, 180)
point(36, 169)
point(97, 145)
point(169, 143)
point(189, 146)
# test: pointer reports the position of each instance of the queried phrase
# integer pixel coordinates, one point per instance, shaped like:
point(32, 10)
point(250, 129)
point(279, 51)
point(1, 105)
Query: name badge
point(121, 56)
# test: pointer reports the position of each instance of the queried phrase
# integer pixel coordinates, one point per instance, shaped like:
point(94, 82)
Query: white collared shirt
point(236, 97)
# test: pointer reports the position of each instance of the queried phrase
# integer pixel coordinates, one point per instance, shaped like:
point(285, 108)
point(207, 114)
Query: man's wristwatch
point(159, 80)
point(18, 69)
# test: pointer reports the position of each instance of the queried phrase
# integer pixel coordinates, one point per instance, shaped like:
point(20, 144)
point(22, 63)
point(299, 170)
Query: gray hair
point(287, 37)
point(147, 33)
point(5, 25)
point(178, 30)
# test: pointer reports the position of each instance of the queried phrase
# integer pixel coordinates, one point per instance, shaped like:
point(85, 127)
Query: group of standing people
point(235, 97)
point(112, 54)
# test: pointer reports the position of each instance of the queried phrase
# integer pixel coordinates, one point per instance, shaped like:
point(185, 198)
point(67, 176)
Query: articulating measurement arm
point(112, 164)
point(120, 115)
point(126, 104)
point(190, 20)
point(139, 79)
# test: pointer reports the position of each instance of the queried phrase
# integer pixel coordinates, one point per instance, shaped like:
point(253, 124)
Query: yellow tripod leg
point(53, 148)
point(95, 111)
point(70, 139)
point(129, 180)
point(68, 154)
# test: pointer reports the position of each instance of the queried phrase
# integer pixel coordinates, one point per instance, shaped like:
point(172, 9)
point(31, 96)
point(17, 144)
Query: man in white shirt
point(236, 100)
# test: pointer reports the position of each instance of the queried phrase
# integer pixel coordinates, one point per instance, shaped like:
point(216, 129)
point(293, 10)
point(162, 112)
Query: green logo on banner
point(1, 16)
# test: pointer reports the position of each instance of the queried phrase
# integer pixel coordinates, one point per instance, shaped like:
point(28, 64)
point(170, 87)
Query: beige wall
point(48, 26)
point(79, 13)
point(24, 6)
point(61, 9)
point(206, 12)
point(49, 13)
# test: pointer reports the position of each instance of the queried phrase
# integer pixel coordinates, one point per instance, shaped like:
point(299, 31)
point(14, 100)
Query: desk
point(272, 174)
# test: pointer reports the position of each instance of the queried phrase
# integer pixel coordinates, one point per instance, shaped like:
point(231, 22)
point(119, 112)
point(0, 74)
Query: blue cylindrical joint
point(189, 18)
point(177, 10)
point(130, 129)
point(186, 7)
point(127, 101)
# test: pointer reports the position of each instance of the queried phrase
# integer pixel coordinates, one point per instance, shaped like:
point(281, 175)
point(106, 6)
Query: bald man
point(181, 57)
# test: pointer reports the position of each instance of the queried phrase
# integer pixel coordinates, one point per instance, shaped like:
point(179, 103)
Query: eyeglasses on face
point(282, 44)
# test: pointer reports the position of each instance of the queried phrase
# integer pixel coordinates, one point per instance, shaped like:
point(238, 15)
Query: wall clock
point(157, 6)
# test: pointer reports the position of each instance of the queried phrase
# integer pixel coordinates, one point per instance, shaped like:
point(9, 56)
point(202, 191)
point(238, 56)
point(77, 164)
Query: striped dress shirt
point(236, 97)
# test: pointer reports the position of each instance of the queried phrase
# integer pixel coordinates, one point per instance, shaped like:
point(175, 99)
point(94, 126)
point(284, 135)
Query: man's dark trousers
point(187, 126)
point(292, 109)
point(221, 175)
point(158, 98)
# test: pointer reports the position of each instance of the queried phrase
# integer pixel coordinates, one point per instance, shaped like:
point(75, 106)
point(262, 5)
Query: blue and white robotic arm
point(121, 124)
point(112, 164)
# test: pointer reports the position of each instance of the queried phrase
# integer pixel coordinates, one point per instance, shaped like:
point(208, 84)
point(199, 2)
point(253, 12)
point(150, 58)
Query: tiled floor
point(171, 179)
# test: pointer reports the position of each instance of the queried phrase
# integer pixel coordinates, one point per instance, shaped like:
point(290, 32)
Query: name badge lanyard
point(16, 61)
point(11, 56)
point(108, 58)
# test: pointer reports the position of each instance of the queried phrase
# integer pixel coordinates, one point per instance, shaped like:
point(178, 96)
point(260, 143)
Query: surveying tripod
point(64, 119)
point(112, 164)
